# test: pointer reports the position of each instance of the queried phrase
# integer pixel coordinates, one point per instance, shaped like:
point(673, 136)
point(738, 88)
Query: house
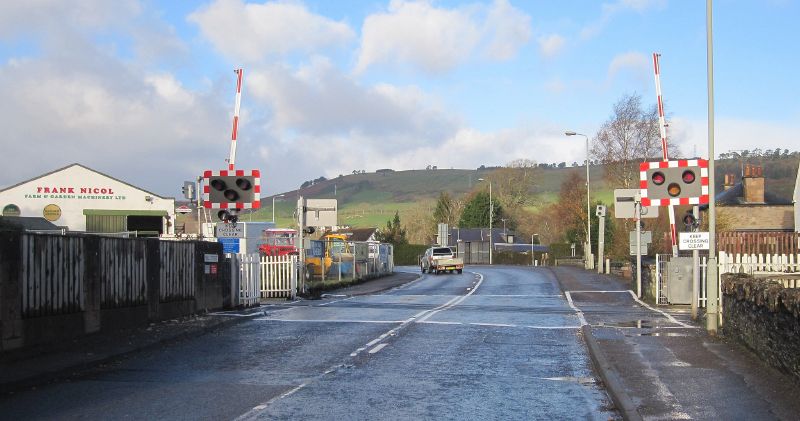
point(753, 220)
point(360, 234)
point(750, 205)
point(472, 244)
point(796, 201)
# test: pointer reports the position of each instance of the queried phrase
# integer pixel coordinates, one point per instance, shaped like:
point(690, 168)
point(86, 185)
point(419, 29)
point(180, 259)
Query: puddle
point(640, 324)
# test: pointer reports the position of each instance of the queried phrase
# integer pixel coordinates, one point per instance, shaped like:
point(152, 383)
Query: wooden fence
point(123, 272)
point(52, 271)
point(759, 242)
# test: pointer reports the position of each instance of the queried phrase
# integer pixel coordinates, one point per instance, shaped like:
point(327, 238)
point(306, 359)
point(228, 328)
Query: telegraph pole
point(712, 287)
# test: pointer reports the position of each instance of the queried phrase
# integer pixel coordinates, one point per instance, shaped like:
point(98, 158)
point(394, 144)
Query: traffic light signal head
point(228, 215)
point(666, 183)
point(236, 189)
point(690, 221)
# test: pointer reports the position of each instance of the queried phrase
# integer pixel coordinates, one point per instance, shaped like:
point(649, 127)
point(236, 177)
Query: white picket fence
point(257, 277)
point(278, 276)
point(250, 279)
point(755, 264)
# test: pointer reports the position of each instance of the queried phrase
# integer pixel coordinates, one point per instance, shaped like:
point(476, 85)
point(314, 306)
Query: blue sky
point(144, 90)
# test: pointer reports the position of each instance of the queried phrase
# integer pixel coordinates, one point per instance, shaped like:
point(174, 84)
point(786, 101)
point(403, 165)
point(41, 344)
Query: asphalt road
point(491, 343)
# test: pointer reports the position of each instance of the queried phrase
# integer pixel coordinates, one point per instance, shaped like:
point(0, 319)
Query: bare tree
point(631, 135)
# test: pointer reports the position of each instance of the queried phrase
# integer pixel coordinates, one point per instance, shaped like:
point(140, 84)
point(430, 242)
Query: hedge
point(408, 254)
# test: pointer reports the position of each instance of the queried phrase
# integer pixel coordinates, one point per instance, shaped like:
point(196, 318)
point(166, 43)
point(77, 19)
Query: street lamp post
point(491, 212)
point(273, 207)
point(589, 257)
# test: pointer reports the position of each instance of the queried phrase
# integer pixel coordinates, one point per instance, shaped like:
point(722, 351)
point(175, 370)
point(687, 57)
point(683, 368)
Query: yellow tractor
point(337, 256)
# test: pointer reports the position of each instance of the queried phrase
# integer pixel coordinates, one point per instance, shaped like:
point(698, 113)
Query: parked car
point(440, 259)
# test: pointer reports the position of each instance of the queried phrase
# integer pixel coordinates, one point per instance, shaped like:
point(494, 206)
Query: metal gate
point(256, 277)
point(278, 276)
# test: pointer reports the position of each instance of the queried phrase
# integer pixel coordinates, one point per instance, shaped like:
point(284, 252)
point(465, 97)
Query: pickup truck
point(440, 259)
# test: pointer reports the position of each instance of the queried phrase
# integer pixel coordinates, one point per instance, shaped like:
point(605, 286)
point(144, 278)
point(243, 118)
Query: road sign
point(647, 237)
point(229, 245)
point(694, 241)
point(225, 230)
point(643, 249)
point(321, 212)
point(672, 183)
point(183, 209)
point(317, 248)
point(625, 207)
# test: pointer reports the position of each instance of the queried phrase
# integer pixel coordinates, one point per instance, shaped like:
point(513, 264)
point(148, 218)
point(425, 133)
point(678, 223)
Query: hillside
point(371, 199)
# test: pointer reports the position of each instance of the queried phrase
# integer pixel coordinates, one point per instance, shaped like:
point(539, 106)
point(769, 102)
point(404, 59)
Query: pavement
point(655, 362)
point(33, 366)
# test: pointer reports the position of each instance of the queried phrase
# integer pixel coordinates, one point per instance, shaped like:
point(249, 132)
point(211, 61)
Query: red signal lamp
point(658, 178)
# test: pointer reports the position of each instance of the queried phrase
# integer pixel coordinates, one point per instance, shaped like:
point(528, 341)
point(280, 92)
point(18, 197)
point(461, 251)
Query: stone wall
point(765, 317)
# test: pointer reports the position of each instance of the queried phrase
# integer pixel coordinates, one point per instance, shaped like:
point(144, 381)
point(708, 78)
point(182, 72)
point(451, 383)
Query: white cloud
point(610, 10)
point(732, 134)
point(252, 32)
point(635, 63)
point(48, 16)
point(507, 29)
point(437, 39)
point(318, 99)
point(551, 45)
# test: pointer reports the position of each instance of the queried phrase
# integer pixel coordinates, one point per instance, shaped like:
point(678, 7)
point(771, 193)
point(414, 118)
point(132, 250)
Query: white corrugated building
point(82, 199)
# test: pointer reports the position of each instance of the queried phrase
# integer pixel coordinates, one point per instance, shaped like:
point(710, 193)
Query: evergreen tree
point(476, 212)
point(393, 233)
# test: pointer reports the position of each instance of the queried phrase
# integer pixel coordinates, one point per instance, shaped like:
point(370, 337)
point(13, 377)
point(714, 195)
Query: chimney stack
point(753, 184)
point(730, 180)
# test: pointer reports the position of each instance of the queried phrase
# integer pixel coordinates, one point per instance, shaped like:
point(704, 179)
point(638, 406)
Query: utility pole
point(712, 287)
point(601, 216)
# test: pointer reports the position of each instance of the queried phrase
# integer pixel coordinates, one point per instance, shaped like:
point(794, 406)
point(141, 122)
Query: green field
point(370, 200)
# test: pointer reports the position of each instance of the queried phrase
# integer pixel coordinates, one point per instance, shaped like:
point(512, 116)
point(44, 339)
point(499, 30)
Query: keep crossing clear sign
point(694, 241)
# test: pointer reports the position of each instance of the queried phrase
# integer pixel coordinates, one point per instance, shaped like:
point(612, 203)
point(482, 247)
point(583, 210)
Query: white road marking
point(635, 298)
point(335, 301)
point(552, 327)
point(421, 316)
point(521, 295)
point(577, 310)
point(253, 413)
point(494, 324)
point(431, 322)
point(457, 301)
point(665, 314)
point(624, 291)
point(220, 313)
point(272, 319)
point(377, 348)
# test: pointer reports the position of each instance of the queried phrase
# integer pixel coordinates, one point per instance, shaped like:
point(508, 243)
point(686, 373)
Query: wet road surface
point(491, 343)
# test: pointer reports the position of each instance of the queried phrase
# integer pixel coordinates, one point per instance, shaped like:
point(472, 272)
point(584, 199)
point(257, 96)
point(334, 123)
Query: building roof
point(479, 235)
point(359, 234)
point(734, 196)
point(521, 248)
point(26, 223)
point(88, 169)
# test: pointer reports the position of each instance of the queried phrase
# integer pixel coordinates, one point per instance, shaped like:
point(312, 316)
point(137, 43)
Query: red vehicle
point(278, 242)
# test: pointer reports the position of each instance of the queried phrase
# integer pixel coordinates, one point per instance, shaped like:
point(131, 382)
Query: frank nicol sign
point(74, 193)
point(66, 196)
